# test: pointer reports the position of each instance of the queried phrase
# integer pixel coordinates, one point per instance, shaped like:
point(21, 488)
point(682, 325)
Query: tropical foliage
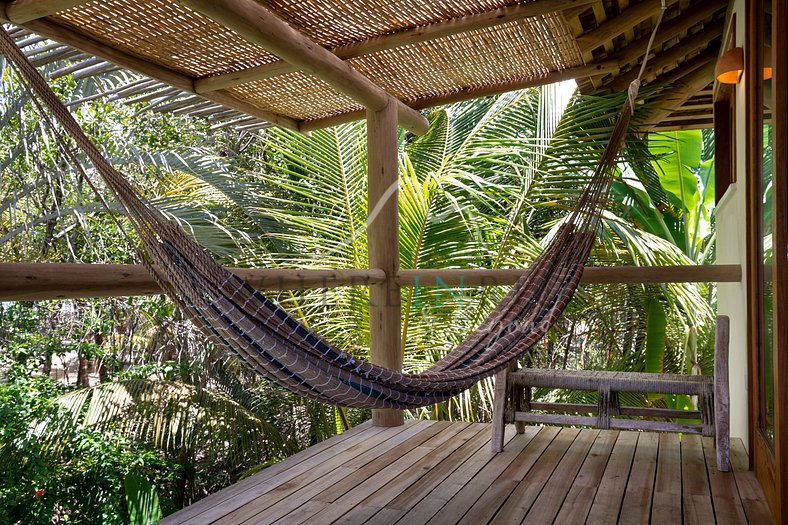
point(170, 418)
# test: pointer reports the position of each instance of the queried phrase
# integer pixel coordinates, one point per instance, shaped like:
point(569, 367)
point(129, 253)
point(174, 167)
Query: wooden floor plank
point(724, 494)
point(458, 505)
point(752, 498)
point(578, 501)
point(272, 499)
point(376, 501)
point(302, 513)
point(220, 498)
point(403, 503)
point(522, 497)
point(666, 501)
point(364, 470)
point(607, 500)
point(453, 483)
point(329, 475)
point(366, 480)
point(548, 503)
point(444, 473)
point(489, 502)
point(636, 507)
point(696, 494)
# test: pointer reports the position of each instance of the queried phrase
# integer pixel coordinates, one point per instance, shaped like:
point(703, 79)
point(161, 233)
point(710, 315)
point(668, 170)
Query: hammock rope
point(274, 344)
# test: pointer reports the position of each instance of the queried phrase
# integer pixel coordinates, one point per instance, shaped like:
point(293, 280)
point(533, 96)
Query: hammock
point(271, 342)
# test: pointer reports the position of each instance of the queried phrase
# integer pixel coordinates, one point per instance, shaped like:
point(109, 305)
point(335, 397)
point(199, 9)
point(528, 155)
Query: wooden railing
point(39, 281)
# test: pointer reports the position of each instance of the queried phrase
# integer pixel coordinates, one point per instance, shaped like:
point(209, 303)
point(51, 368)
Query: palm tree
point(484, 188)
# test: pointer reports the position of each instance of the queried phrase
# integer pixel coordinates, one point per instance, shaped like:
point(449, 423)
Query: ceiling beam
point(258, 25)
point(402, 38)
point(668, 30)
point(21, 11)
point(470, 93)
point(683, 89)
point(677, 75)
point(668, 57)
point(628, 18)
point(59, 33)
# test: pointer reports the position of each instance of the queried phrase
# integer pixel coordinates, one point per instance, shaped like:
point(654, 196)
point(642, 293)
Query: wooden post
point(722, 425)
point(499, 408)
point(383, 241)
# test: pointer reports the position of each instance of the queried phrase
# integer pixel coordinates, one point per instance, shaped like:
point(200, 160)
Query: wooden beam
point(258, 25)
point(41, 281)
point(666, 58)
point(402, 38)
point(629, 18)
point(684, 88)
point(471, 93)
point(385, 299)
point(59, 33)
point(680, 74)
point(591, 275)
point(668, 30)
point(21, 11)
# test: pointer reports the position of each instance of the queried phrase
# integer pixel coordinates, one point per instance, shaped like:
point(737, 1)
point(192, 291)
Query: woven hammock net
point(275, 345)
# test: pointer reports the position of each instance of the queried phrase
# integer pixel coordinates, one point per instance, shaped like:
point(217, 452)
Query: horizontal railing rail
point(39, 281)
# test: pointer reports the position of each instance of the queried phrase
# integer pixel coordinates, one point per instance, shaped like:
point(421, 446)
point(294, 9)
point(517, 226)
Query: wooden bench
point(513, 402)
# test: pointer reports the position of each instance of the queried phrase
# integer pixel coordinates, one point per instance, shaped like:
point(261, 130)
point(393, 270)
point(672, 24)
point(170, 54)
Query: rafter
point(629, 18)
point(678, 75)
point(672, 28)
point(21, 11)
point(684, 88)
point(470, 93)
point(668, 57)
point(403, 38)
point(257, 24)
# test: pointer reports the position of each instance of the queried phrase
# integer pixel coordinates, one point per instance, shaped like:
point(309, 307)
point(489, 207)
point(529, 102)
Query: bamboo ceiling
point(423, 52)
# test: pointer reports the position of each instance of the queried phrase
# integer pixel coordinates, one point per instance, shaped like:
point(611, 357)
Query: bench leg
point(518, 400)
point(499, 407)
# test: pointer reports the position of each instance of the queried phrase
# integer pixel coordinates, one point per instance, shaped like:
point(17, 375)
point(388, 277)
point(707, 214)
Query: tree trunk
point(47, 364)
point(83, 378)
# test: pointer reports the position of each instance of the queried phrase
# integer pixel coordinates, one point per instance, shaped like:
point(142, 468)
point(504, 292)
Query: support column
point(383, 245)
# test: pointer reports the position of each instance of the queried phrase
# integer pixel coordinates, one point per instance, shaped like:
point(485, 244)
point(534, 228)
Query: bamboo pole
point(258, 25)
point(383, 245)
point(42, 281)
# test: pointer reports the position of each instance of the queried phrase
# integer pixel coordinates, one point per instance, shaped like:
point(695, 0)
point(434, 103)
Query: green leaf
point(142, 500)
point(656, 336)
point(678, 156)
point(707, 180)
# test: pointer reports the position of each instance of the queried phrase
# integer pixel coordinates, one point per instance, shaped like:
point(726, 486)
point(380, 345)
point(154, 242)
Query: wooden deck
point(444, 473)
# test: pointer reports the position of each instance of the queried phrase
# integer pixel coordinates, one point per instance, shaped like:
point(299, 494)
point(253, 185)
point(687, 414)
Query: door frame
point(769, 460)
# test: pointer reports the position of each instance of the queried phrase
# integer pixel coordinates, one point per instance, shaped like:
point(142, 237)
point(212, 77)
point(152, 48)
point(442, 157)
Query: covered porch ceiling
point(307, 64)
